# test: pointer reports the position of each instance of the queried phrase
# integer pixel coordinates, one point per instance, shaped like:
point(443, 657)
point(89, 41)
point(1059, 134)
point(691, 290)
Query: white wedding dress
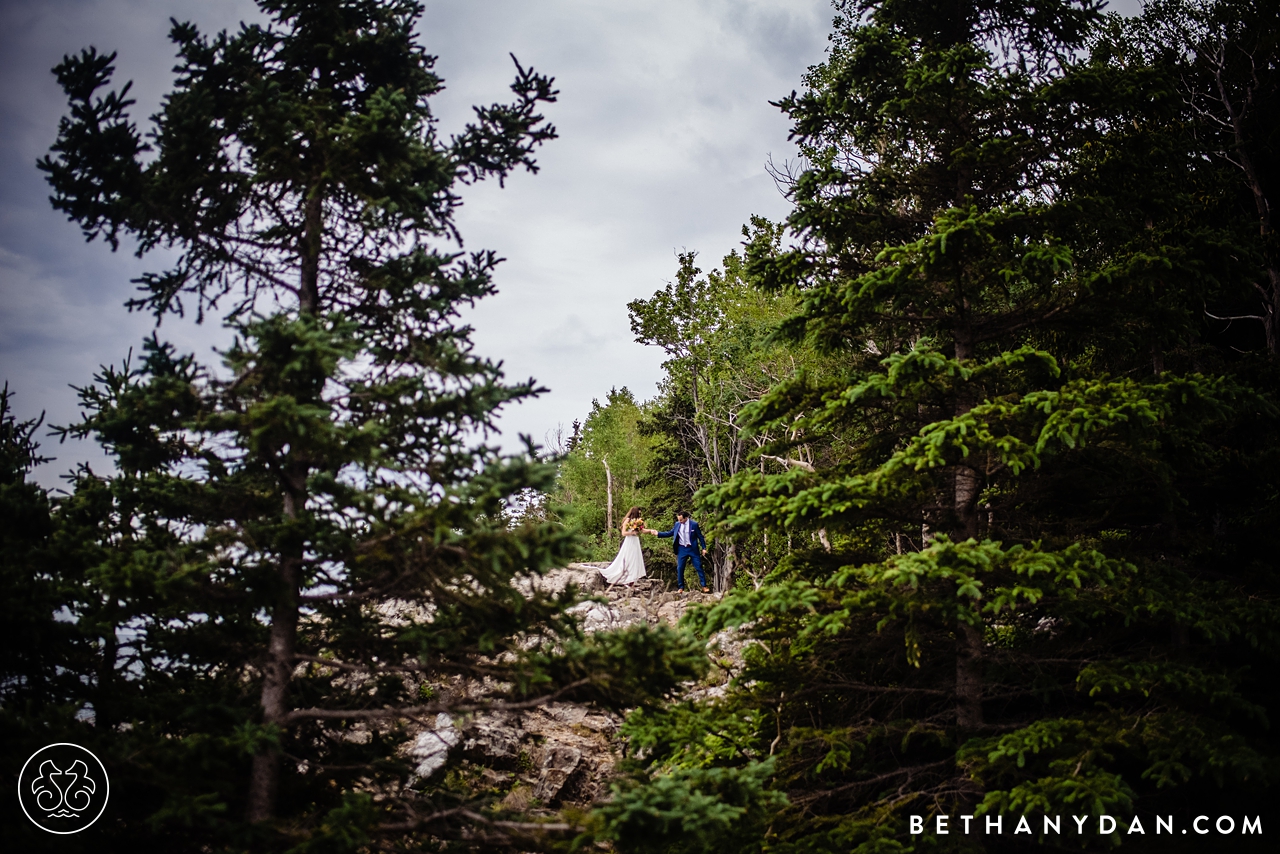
point(628, 566)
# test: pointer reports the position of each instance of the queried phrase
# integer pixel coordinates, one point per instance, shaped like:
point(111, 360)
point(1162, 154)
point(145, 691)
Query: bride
point(628, 566)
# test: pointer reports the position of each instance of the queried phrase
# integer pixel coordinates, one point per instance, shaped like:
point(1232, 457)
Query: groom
point(688, 542)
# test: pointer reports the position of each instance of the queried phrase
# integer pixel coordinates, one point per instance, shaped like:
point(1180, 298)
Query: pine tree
point(1034, 604)
point(306, 555)
point(39, 654)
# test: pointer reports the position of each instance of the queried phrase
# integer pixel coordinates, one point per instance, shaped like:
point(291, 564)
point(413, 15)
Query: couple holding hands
point(686, 537)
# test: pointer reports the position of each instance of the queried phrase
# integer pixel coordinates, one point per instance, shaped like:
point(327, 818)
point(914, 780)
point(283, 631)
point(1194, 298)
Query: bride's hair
point(633, 513)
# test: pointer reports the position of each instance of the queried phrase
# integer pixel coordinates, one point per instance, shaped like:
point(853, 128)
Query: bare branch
point(429, 709)
point(789, 463)
point(1235, 316)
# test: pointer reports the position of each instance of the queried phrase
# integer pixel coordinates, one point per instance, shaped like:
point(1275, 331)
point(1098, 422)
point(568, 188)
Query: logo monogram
point(63, 788)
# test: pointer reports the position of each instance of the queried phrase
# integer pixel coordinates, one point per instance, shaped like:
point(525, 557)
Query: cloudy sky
point(665, 130)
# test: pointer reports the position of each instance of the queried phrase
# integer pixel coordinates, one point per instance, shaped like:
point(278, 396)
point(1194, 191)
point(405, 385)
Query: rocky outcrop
point(561, 754)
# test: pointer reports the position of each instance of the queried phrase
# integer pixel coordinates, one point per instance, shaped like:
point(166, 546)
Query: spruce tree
point(1042, 598)
point(306, 556)
point(38, 655)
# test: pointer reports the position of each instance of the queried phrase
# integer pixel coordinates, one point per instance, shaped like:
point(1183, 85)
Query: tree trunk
point(264, 780)
point(968, 677)
point(104, 711)
point(966, 502)
point(700, 429)
point(608, 499)
point(969, 682)
point(277, 669)
point(1270, 321)
point(724, 572)
point(966, 483)
point(313, 231)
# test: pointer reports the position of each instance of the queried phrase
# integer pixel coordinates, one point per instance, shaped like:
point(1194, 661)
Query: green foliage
point(680, 733)
point(1042, 481)
point(642, 666)
point(38, 647)
point(693, 810)
point(717, 331)
point(609, 436)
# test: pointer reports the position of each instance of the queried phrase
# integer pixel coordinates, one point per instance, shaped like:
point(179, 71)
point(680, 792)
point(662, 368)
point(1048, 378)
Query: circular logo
point(63, 788)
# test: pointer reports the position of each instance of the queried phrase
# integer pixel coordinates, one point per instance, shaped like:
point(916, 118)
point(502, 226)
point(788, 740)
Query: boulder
point(496, 741)
point(559, 766)
point(431, 747)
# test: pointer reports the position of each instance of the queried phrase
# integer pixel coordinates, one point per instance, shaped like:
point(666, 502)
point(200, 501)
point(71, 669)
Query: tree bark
point(724, 572)
point(705, 442)
point(965, 478)
point(968, 677)
point(104, 711)
point(312, 236)
point(608, 498)
point(966, 501)
point(264, 774)
point(264, 780)
point(969, 681)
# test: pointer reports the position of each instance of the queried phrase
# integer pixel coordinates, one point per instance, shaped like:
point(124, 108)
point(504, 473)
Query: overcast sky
point(665, 130)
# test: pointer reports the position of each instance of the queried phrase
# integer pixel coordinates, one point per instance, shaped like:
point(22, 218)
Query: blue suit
point(697, 543)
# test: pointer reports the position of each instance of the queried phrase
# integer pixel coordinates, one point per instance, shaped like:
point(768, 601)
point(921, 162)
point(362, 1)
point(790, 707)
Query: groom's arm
point(670, 533)
point(699, 540)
